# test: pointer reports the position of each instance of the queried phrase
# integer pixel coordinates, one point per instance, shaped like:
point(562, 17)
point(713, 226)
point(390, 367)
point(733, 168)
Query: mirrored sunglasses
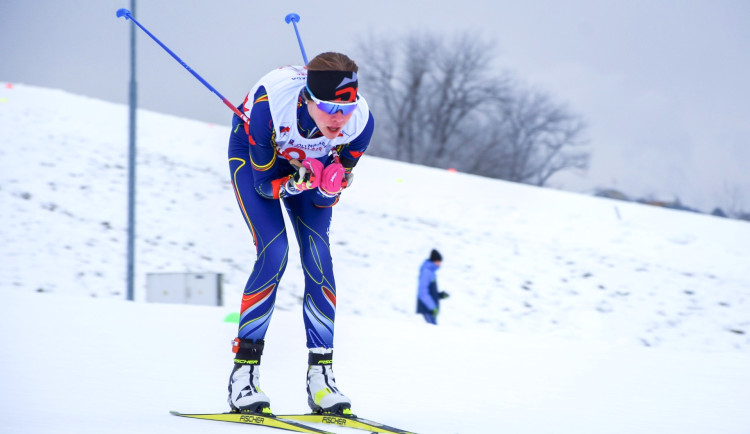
point(331, 107)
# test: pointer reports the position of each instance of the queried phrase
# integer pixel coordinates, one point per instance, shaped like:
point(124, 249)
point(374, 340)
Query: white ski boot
point(245, 394)
point(323, 396)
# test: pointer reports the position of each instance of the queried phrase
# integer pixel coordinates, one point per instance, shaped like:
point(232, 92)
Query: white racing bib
point(283, 86)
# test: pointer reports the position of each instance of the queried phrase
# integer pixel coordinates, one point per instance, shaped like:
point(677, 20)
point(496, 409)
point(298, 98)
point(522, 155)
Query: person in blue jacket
point(428, 295)
point(308, 126)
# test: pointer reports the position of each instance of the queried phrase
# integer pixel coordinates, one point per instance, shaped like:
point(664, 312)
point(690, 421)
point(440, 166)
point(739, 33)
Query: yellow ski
point(261, 419)
point(344, 421)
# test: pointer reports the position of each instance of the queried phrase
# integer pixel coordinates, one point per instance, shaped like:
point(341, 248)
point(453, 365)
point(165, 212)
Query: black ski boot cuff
point(247, 352)
point(314, 359)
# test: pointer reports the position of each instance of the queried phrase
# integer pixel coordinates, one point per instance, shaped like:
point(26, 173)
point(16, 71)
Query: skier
point(308, 128)
point(428, 296)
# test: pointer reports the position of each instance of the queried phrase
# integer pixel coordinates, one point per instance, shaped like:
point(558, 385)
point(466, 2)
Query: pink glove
point(332, 178)
point(307, 177)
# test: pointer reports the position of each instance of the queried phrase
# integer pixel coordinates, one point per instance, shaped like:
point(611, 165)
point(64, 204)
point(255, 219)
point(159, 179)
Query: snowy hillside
point(605, 316)
point(517, 258)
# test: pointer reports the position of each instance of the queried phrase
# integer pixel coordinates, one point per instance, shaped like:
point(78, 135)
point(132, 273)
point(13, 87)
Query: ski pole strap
point(315, 359)
point(247, 352)
point(296, 163)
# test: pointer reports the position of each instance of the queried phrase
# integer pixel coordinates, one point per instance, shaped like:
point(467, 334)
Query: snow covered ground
point(568, 313)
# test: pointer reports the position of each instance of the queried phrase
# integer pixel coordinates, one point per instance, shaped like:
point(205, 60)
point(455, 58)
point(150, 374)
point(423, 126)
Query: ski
point(344, 421)
point(261, 419)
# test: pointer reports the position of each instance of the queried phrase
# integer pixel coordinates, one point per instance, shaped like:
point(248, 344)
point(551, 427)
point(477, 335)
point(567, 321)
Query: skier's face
point(329, 125)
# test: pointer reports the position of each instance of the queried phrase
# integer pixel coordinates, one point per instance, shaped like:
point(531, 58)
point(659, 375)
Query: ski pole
point(294, 19)
point(128, 16)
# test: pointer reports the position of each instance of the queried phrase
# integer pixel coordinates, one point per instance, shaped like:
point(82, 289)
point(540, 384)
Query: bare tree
point(438, 102)
point(531, 139)
point(733, 200)
point(393, 95)
point(424, 88)
point(464, 87)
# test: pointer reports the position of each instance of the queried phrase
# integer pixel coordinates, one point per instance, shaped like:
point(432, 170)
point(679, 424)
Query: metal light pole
point(133, 103)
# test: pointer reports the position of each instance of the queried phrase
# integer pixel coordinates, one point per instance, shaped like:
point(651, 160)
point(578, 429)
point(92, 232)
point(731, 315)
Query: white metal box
point(184, 288)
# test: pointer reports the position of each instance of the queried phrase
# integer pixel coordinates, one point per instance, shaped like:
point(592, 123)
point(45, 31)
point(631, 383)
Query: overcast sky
point(663, 85)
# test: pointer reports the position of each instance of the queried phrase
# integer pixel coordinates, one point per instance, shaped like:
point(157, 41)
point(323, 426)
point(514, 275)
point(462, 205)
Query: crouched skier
point(307, 129)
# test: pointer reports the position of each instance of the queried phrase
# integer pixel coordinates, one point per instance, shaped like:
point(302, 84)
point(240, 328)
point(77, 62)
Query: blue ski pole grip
point(123, 13)
point(294, 19)
point(291, 17)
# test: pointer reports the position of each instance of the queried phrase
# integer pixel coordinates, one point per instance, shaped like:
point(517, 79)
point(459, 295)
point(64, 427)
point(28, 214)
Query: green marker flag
point(233, 317)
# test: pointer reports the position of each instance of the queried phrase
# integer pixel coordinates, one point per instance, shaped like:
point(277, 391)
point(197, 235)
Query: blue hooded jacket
point(428, 296)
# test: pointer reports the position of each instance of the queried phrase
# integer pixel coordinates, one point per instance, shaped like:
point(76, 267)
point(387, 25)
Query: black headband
point(333, 85)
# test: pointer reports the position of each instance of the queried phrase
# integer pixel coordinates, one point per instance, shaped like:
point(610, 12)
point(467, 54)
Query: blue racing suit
point(257, 174)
